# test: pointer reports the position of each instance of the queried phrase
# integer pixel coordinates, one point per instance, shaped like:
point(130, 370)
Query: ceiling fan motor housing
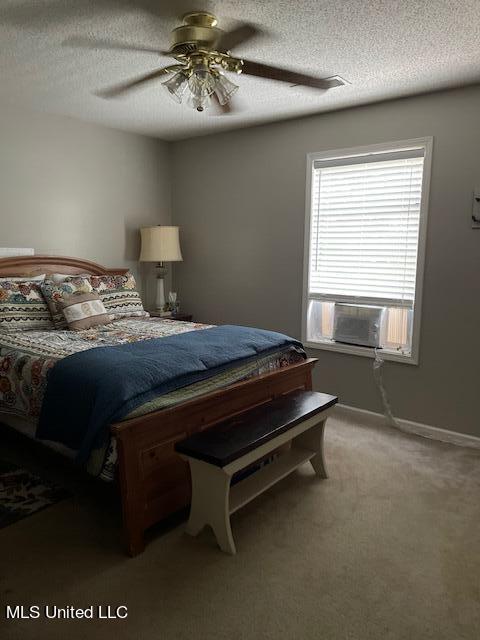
point(197, 32)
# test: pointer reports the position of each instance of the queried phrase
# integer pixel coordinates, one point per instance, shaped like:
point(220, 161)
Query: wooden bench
point(216, 454)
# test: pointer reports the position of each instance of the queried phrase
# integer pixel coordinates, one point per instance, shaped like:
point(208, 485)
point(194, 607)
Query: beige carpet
point(387, 548)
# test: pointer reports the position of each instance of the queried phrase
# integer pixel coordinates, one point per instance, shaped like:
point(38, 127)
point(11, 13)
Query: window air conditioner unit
point(357, 324)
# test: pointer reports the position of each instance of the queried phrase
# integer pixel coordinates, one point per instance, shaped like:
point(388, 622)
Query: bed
point(153, 480)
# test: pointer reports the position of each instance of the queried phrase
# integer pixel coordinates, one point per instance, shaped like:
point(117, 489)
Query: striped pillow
point(84, 310)
point(119, 295)
point(22, 307)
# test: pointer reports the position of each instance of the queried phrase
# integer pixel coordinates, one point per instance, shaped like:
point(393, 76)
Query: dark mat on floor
point(23, 493)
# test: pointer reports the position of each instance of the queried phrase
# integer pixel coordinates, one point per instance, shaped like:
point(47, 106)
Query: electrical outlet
point(476, 210)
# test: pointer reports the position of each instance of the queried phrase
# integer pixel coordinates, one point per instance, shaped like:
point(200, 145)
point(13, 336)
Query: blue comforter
point(89, 390)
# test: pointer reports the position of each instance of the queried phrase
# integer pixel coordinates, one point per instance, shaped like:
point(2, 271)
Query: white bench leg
point(313, 440)
point(211, 503)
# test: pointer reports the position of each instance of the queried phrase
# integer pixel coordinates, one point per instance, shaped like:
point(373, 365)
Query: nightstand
point(183, 317)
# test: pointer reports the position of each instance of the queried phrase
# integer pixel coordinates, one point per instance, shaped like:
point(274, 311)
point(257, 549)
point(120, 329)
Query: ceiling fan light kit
point(202, 83)
point(195, 45)
point(203, 53)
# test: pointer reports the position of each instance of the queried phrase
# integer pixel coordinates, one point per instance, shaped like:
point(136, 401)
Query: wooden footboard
point(154, 480)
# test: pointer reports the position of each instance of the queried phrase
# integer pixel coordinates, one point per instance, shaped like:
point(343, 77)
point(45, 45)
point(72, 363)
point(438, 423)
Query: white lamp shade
point(160, 244)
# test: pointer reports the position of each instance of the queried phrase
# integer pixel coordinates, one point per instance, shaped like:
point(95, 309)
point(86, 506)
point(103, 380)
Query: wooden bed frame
point(154, 480)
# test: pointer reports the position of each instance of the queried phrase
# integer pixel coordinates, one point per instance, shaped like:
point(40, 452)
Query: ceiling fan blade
point(29, 13)
point(230, 39)
point(92, 43)
point(260, 70)
point(118, 89)
point(38, 13)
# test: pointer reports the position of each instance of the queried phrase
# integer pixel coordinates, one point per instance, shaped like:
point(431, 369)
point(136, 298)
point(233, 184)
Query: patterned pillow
point(56, 294)
point(22, 307)
point(119, 295)
point(84, 310)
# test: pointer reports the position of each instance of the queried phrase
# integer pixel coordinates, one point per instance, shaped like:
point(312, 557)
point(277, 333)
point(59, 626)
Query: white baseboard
point(417, 428)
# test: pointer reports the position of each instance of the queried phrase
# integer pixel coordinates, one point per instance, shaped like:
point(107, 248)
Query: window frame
point(336, 154)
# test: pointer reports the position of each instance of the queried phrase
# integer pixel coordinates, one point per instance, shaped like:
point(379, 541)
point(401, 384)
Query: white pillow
point(38, 278)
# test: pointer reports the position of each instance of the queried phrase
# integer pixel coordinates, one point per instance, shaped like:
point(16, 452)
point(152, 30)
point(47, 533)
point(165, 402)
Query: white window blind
point(364, 229)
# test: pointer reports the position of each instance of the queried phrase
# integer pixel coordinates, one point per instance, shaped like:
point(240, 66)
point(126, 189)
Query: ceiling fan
point(203, 53)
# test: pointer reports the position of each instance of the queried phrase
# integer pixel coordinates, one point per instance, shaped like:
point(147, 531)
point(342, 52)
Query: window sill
point(367, 352)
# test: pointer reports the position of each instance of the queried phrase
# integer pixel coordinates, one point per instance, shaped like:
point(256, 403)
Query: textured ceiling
point(385, 48)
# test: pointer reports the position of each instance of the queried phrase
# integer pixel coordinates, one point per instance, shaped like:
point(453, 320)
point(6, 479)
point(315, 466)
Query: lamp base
point(160, 297)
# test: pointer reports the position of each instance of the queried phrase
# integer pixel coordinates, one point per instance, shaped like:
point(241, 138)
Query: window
point(365, 243)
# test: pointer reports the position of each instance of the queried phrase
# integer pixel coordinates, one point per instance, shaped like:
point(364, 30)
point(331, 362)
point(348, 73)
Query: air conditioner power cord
point(377, 374)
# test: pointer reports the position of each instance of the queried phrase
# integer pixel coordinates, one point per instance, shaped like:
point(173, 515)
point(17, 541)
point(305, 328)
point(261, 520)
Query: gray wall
point(70, 188)
point(239, 198)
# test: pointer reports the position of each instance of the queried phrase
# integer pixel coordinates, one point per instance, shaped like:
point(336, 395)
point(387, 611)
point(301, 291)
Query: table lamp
point(160, 244)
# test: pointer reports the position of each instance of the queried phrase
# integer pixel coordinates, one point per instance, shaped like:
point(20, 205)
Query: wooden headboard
point(35, 265)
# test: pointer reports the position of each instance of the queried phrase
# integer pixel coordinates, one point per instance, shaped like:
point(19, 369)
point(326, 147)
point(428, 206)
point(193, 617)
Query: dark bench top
point(233, 438)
